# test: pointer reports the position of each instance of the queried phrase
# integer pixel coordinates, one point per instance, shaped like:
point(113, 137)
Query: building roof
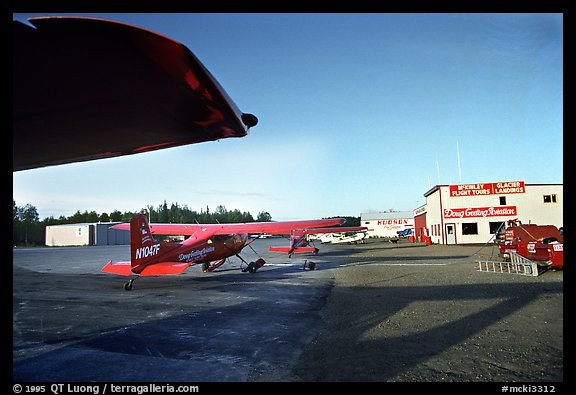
point(88, 223)
point(437, 187)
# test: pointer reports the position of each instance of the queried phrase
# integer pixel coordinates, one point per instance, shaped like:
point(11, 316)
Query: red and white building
point(473, 213)
point(386, 224)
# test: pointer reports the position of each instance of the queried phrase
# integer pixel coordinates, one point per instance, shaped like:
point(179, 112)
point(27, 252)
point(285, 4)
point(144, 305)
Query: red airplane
point(209, 244)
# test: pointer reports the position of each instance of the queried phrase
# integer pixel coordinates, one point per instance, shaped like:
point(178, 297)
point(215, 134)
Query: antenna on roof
point(458, 153)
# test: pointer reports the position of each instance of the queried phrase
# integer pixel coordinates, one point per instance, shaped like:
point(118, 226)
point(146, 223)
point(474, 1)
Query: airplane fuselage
point(215, 248)
point(192, 250)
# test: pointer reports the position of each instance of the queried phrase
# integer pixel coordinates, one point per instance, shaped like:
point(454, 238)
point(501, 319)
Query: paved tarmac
point(73, 323)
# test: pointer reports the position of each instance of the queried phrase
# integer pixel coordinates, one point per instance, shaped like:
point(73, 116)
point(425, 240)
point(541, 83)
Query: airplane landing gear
point(210, 267)
point(128, 285)
point(253, 266)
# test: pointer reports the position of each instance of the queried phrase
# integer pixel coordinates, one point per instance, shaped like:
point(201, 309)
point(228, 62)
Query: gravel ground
point(413, 313)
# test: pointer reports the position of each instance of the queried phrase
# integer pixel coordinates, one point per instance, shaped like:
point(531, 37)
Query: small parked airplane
point(209, 244)
point(337, 238)
point(350, 238)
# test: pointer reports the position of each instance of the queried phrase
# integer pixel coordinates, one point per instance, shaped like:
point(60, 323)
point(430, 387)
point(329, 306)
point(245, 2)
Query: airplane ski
point(297, 250)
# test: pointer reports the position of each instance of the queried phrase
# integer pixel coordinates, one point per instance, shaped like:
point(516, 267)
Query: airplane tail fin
point(143, 246)
point(146, 253)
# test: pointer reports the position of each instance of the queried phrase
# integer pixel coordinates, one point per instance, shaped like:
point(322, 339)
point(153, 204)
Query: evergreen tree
point(163, 213)
point(27, 229)
point(263, 216)
point(115, 216)
point(28, 218)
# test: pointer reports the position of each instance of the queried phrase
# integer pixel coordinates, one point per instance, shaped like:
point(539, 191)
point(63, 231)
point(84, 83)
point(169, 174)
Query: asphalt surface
point(73, 323)
point(373, 312)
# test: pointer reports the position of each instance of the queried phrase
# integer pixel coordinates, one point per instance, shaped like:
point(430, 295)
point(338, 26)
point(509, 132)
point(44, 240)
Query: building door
point(450, 234)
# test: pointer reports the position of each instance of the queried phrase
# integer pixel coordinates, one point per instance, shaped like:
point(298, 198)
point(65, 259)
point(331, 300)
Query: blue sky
point(357, 113)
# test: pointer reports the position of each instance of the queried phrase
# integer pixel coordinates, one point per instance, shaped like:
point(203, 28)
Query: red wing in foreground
point(87, 89)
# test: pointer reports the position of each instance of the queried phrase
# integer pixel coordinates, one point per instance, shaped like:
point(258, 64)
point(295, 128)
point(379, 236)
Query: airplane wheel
point(251, 268)
point(128, 286)
point(312, 266)
point(205, 267)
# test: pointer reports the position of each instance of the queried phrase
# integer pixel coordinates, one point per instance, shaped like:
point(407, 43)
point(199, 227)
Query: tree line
point(29, 230)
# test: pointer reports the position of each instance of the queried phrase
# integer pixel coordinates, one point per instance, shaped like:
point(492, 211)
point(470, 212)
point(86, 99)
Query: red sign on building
point(491, 188)
point(393, 222)
point(480, 212)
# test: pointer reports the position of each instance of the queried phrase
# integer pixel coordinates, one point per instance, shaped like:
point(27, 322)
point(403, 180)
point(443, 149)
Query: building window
point(470, 228)
point(502, 200)
point(550, 198)
point(495, 226)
